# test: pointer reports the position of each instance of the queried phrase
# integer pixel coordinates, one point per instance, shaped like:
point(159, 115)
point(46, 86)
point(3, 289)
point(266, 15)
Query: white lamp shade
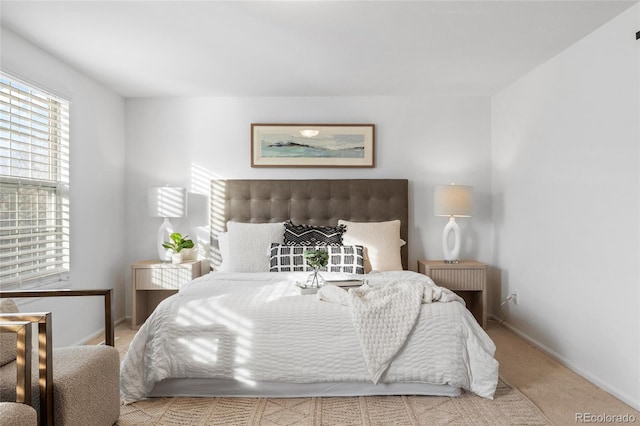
point(452, 200)
point(167, 201)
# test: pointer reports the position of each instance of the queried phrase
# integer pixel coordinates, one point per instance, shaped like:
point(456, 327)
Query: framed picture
point(312, 145)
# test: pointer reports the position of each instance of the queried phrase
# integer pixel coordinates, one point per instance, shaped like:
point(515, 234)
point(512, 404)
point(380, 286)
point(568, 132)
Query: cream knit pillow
point(381, 241)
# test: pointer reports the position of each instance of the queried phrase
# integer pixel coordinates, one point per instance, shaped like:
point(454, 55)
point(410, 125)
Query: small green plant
point(316, 258)
point(178, 243)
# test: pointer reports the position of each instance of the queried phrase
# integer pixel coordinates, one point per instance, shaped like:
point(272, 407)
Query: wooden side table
point(468, 279)
point(152, 281)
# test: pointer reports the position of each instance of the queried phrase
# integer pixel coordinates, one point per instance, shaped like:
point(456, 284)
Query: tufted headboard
point(313, 201)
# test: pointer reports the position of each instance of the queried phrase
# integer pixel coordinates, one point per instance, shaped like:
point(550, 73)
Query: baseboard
point(571, 366)
point(98, 334)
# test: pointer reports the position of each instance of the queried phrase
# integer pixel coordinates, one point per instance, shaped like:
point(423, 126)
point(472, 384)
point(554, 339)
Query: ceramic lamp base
point(164, 232)
point(451, 254)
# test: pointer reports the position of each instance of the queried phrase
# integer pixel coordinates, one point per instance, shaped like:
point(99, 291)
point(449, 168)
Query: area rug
point(509, 407)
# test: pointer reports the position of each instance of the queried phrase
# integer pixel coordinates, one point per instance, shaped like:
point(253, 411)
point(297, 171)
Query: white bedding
point(255, 327)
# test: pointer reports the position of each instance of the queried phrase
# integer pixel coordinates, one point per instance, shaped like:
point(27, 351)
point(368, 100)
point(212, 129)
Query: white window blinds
point(34, 185)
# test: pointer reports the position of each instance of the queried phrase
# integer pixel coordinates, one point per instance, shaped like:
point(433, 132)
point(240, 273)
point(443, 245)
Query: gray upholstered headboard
point(313, 201)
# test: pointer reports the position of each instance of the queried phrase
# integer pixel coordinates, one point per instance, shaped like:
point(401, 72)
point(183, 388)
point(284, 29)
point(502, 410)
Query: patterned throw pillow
point(313, 235)
point(287, 258)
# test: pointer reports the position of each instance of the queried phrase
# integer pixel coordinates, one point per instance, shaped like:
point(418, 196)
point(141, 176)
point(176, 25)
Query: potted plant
point(176, 244)
point(316, 258)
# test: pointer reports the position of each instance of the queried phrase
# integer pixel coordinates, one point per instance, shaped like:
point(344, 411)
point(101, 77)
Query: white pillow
point(381, 241)
point(248, 246)
point(223, 248)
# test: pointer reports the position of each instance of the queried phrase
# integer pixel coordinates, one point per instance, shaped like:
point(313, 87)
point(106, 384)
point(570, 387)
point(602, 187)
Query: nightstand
point(152, 281)
point(468, 279)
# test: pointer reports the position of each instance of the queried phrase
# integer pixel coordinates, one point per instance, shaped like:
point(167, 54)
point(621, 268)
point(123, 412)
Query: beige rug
point(509, 407)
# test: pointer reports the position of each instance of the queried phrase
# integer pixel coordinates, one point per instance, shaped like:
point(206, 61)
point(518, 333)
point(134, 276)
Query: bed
point(245, 330)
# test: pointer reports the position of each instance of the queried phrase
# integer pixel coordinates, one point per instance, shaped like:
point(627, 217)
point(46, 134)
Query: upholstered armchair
point(70, 386)
point(20, 412)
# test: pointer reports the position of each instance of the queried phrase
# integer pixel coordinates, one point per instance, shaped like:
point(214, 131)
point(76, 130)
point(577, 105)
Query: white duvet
point(255, 327)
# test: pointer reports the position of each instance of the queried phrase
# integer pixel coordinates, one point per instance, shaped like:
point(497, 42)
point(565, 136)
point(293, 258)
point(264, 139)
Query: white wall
point(98, 242)
point(430, 141)
point(566, 193)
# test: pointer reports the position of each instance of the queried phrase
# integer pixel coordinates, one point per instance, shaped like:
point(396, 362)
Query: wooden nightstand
point(468, 279)
point(152, 281)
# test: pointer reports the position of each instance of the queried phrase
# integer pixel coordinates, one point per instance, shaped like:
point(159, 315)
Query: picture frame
point(312, 145)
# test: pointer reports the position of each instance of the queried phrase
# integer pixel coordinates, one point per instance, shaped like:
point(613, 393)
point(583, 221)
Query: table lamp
point(166, 202)
point(452, 201)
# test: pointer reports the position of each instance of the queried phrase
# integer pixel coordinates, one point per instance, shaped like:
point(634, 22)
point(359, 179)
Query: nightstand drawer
point(458, 279)
point(161, 279)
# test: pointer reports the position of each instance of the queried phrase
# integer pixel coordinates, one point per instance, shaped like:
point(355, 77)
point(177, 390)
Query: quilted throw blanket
point(257, 328)
point(384, 316)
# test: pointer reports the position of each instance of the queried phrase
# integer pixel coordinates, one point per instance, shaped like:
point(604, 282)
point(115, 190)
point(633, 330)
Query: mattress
point(255, 329)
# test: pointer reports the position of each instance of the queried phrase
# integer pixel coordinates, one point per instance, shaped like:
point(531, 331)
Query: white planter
point(176, 258)
point(189, 254)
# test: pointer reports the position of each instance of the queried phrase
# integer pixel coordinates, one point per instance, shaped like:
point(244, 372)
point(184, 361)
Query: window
point(34, 185)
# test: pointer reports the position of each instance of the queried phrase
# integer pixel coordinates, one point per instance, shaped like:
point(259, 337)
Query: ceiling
point(305, 48)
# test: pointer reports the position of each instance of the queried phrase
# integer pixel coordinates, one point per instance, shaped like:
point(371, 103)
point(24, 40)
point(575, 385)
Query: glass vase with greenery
point(316, 258)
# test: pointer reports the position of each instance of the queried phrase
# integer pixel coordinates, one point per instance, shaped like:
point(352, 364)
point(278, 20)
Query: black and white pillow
point(313, 235)
point(287, 258)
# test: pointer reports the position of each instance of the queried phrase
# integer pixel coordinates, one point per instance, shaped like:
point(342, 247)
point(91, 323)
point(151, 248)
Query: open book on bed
point(345, 282)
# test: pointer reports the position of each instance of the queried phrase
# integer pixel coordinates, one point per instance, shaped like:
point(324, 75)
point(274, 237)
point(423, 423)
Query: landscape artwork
point(312, 145)
point(341, 146)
